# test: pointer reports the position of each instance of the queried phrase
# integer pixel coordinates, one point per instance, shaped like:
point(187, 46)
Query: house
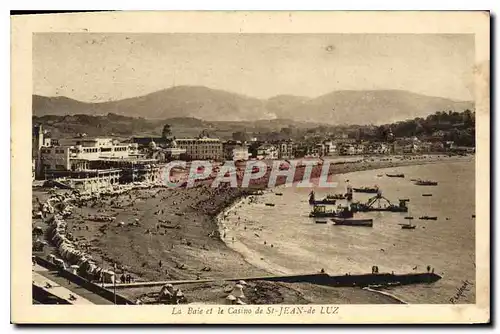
point(347, 149)
point(235, 151)
point(330, 147)
point(203, 148)
point(267, 151)
point(72, 152)
point(285, 149)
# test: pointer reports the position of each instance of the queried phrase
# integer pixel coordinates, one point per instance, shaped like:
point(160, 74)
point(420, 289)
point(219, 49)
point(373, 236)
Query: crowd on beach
point(211, 202)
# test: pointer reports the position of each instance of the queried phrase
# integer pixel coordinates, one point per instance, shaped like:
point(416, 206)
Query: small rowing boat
point(353, 222)
point(425, 183)
point(395, 175)
point(428, 218)
point(367, 190)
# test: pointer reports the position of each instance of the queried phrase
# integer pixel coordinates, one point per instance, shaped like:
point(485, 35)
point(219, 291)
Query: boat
point(278, 194)
point(367, 190)
point(370, 205)
point(320, 211)
point(408, 226)
point(395, 175)
point(425, 183)
point(270, 204)
point(314, 201)
point(336, 196)
point(321, 221)
point(428, 218)
point(324, 201)
point(353, 222)
point(426, 195)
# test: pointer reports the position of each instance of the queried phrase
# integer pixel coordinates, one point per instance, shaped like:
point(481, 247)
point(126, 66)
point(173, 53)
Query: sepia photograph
point(276, 174)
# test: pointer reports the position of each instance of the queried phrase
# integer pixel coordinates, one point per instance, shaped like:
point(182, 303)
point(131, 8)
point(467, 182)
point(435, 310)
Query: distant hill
point(124, 126)
point(377, 106)
point(202, 103)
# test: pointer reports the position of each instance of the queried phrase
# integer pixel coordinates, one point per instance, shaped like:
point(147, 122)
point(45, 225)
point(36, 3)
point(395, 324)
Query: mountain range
point(338, 107)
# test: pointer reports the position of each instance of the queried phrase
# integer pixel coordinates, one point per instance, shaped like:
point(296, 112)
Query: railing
point(84, 283)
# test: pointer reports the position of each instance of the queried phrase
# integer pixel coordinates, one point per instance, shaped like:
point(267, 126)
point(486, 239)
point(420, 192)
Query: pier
point(362, 280)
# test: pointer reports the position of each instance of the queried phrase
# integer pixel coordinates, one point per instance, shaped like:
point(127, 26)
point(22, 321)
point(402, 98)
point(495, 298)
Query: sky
point(94, 67)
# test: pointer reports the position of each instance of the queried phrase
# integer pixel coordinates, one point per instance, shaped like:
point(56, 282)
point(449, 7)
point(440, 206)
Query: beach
point(176, 234)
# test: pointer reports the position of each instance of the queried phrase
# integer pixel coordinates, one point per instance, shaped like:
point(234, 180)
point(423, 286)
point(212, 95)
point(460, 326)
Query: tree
point(288, 131)
point(240, 136)
point(166, 132)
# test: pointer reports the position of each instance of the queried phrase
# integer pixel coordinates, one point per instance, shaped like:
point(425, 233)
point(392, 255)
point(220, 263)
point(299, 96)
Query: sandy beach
point(179, 234)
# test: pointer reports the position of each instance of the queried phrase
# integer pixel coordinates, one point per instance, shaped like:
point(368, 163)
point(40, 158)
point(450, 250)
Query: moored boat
point(428, 218)
point(426, 195)
point(324, 201)
point(395, 175)
point(320, 211)
point(321, 221)
point(367, 190)
point(270, 204)
point(336, 196)
point(408, 227)
point(353, 222)
point(314, 201)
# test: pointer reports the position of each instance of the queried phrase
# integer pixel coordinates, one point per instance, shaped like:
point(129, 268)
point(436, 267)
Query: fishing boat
point(408, 226)
point(270, 204)
point(353, 222)
point(367, 190)
point(324, 201)
point(336, 196)
point(395, 175)
point(321, 222)
point(425, 183)
point(278, 194)
point(428, 218)
point(426, 195)
point(320, 211)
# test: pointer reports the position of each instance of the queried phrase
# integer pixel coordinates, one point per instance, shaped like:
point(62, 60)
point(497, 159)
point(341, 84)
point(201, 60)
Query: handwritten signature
point(461, 291)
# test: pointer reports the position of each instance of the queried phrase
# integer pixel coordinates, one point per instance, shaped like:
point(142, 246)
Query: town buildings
point(203, 148)
point(90, 163)
point(267, 151)
point(236, 151)
point(285, 149)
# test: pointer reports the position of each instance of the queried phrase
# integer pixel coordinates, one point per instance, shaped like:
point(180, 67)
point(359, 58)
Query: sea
point(282, 238)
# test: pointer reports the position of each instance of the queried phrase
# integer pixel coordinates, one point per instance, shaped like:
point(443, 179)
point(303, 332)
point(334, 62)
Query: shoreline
point(256, 259)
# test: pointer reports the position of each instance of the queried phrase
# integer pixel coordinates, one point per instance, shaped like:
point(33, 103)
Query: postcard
point(251, 167)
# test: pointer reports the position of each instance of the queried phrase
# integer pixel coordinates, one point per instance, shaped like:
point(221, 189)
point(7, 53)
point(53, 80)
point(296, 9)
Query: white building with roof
point(201, 148)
